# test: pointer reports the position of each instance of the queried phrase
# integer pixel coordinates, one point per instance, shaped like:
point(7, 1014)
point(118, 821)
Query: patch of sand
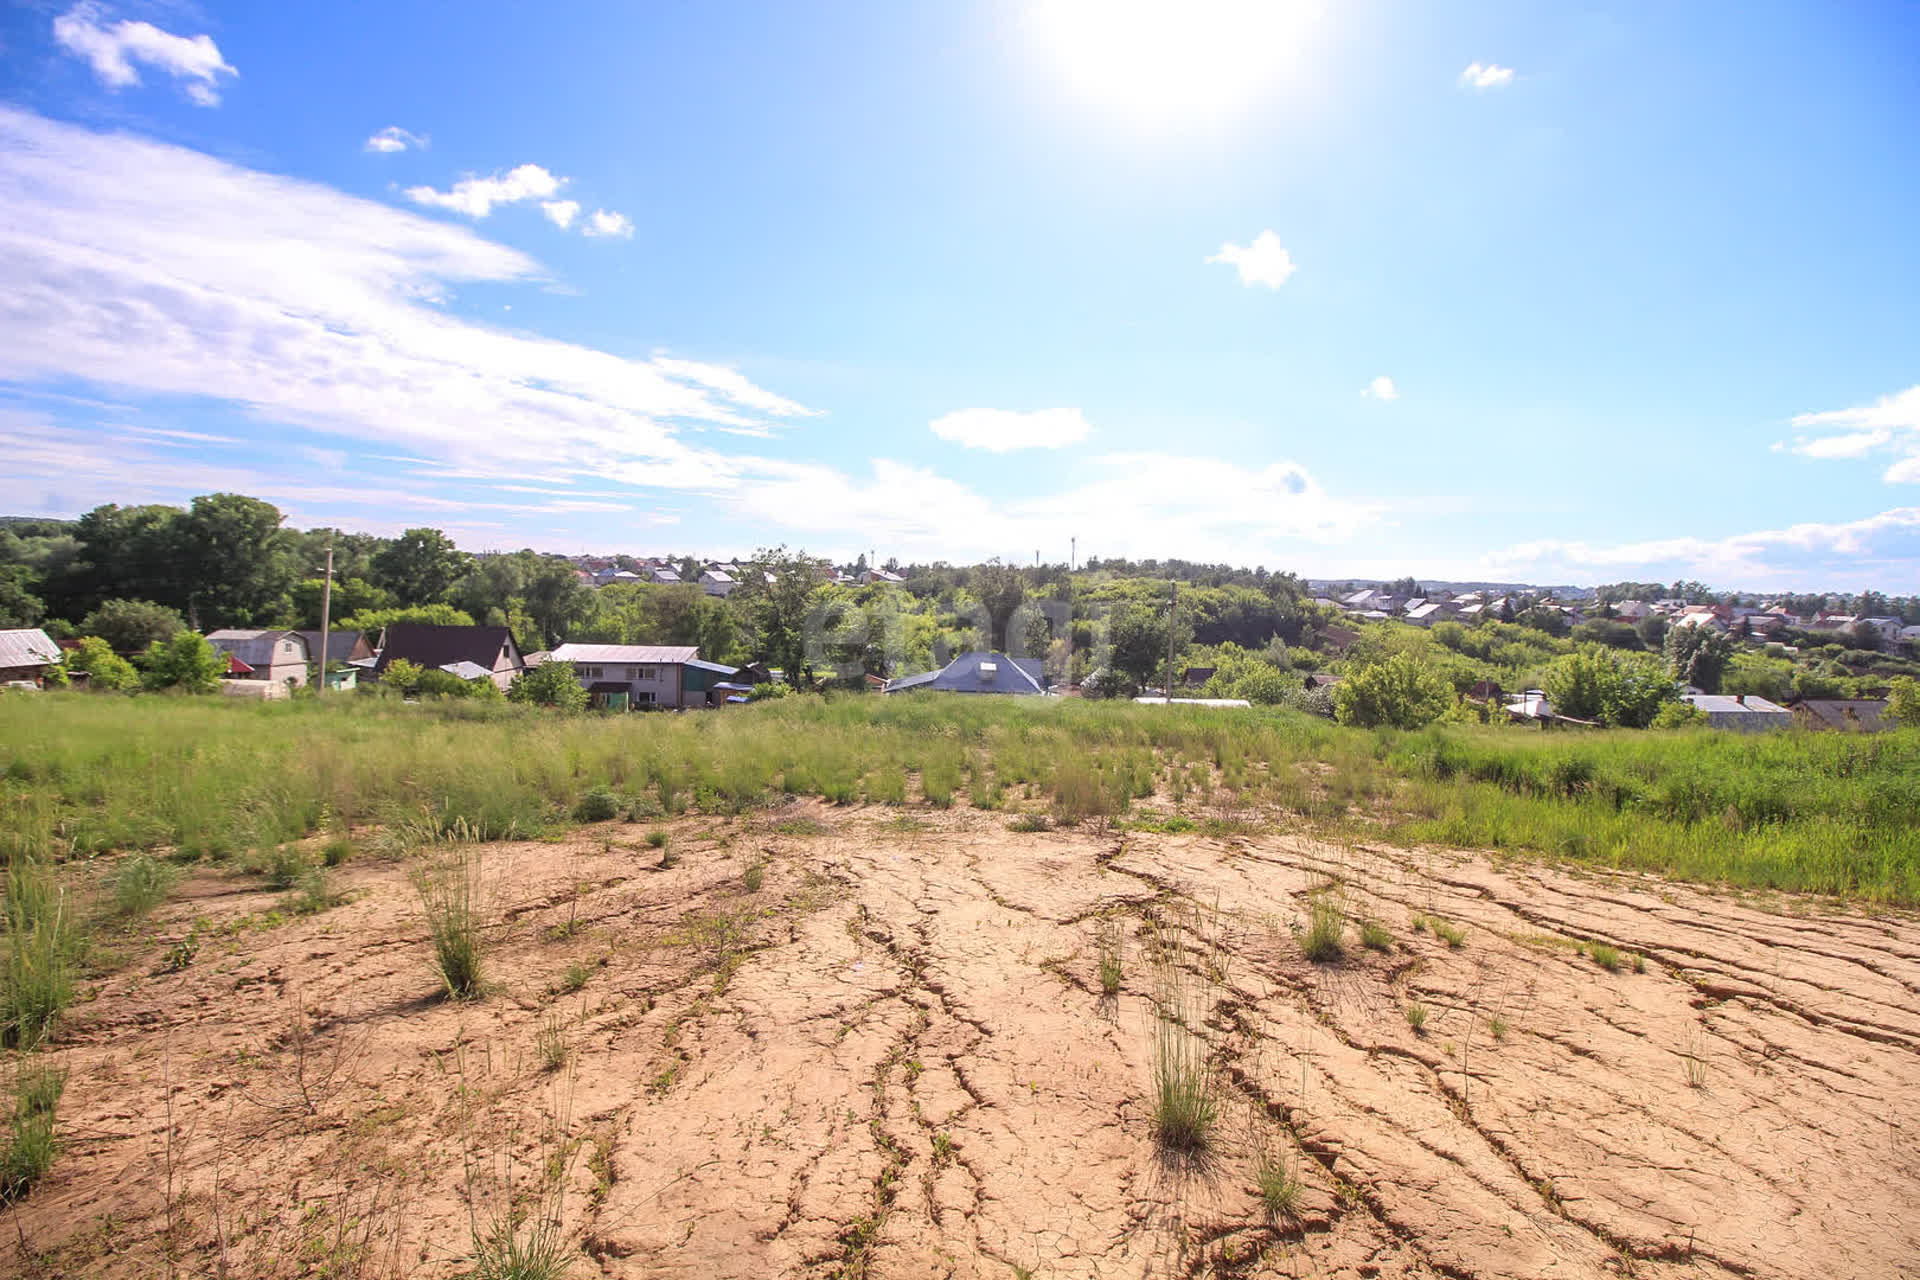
point(894, 1060)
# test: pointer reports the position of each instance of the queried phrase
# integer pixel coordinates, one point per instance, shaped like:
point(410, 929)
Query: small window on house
point(644, 695)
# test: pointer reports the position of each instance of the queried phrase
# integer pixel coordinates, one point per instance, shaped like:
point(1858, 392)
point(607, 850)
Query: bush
point(187, 663)
point(598, 805)
point(1400, 692)
point(105, 669)
point(129, 626)
point(551, 684)
point(1610, 686)
point(141, 884)
point(1109, 684)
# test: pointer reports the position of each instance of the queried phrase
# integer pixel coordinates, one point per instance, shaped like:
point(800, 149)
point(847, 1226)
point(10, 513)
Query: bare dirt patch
point(896, 1057)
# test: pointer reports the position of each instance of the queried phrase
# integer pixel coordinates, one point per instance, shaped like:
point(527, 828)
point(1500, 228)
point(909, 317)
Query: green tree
point(1401, 692)
point(1611, 686)
point(105, 669)
point(1697, 655)
point(775, 595)
point(433, 615)
point(1137, 642)
point(236, 560)
point(421, 566)
point(350, 596)
point(131, 625)
point(1652, 631)
point(555, 599)
point(551, 684)
point(123, 553)
point(1240, 674)
point(1000, 589)
point(1903, 701)
point(187, 663)
point(19, 606)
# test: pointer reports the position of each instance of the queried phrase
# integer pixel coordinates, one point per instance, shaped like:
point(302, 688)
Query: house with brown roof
point(25, 655)
point(492, 649)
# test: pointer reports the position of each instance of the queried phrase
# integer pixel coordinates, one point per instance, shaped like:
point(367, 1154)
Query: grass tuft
point(141, 884)
point(449, 890)
point(1109, 945)
point(1279, 1188)
point(754, 876)
point(1325, 938)
point(1417, 1017)
point(29, 1144)
point(1606, 957)
point(1374, 936)
point(597, 805)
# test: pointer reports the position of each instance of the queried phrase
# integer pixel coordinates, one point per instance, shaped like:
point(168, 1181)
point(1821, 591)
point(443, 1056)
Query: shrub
point(403, 674)
point(283, 867)
point(1031, 822)
point(105, 669)
point(129, 626)
point(187, 663)
point(656, 839)
point(551, 684)
point(1400, 692)
point(754, 876)
point(597, 805)
point(313, 892)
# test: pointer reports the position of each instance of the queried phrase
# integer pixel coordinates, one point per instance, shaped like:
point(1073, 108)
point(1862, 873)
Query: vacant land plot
point(863, 1041)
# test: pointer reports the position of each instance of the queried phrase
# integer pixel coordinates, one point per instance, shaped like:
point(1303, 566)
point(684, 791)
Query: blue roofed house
point(630, 677)
point(978, 672)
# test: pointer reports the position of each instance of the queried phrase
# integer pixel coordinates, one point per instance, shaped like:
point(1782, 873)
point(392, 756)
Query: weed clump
point(1279, 1189)
point(754, 876)
point(1325, 938)
point(1031, 822)
point(1417, 1017)
point(1606, 957)
point(29, 1143)
point(41, 939)
point(141, 884)
point(1108, 946)
point(597, 805)
point(449, 890)
point(1374, 936)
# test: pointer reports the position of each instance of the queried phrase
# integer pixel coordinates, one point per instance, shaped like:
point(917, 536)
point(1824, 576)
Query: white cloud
point(1890, 424)
point(1381, 388)
point(1486, 75)
point(1850, 555)
point(159, 271)
point(1135, 505)
point(1003, 430)
point(393, 138)
point(560, 212)
point(476, 197)
point(602, 223)
point(1262, 262)
point(113, 50)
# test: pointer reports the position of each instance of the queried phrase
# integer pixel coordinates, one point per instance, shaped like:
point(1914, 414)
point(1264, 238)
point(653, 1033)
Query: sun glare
point(1162, 64)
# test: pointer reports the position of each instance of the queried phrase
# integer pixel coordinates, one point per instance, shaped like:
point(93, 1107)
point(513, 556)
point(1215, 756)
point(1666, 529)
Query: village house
point(26, 653)
point(632, 677)
point(870, 576)
point(1842, 715)
point(978, 672)
point(718, 580)
point(491, 649)
point(277, 657)
point(342, 646)
point(1742, 712)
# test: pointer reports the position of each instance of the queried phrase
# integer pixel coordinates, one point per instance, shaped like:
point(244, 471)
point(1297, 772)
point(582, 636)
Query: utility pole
point(326, 622)
point(1073, 553)
point(1173, 613)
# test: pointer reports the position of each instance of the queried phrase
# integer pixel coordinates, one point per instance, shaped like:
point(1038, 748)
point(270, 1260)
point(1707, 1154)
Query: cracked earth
point(895, 1059)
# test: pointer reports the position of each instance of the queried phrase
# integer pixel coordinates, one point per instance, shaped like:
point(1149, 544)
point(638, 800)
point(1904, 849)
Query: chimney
point(1740, 698)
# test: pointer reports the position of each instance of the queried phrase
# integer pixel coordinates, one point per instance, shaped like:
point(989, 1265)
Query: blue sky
point(1554, 293)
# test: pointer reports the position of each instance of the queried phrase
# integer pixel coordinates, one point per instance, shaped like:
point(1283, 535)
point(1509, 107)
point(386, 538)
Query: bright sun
point(1174, 63)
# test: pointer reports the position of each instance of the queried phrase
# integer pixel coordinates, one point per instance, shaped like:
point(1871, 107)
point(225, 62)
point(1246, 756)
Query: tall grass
point(29, 1143)
point(1833, 813)
point(450, 893)
point(41, 942)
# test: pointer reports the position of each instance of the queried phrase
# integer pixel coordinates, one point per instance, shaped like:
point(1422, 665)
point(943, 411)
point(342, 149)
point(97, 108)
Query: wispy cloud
point(393, 138)
point(1381, 388)
point(1486, 75)
point(160, 271)
point(113, 49)
point(1845, 555)
point(605, 224)
point(1004, 430)
point(1264, 261)
point(476, 197)
point(1890, 424)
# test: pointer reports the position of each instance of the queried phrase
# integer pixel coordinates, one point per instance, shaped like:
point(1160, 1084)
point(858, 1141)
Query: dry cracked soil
point(895, 1058)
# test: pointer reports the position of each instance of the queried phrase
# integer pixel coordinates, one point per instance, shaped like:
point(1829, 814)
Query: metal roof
point(638, 654)
point(978, 672)
point(256, 648)
point(466, 670)
point(27, 647)
point(1717, 704)
point(715, 667)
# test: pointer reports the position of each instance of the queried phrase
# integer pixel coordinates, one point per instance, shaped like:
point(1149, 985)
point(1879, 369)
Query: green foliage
point(1698, 655)
point(41, 940)
point(373, 621)
point(1325, 938)
point(420, 566)
point(1416, 1014)
point(551, 684)
point(775, 595)
point(1137, 640)
point(1279, 1188)
point(1903, 701)
point(1241, 674)
point(1109, 684)
point(1609, 686)
point(403, 674)
point(597, 805)
point(187, 663)
point(1400, 692)
point(105, 669)
point(129, 626)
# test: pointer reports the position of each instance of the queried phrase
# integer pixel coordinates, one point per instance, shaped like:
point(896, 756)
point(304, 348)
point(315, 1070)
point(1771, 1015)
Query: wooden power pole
point(1173, 614)
point(326, 623)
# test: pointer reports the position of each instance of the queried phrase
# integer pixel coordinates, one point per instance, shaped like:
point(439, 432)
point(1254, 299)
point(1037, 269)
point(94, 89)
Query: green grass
point(1374, 936)
point(1109, 949)
point(1279, 1188)
point(42, 943)
point(29, 1143)
point(140, 884)
point(754, 876)
point(1606, 957)
point(1416, 1017)
point(1325, 938)
point(1448, 932)
point(449, 889)
point(1833, 814)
